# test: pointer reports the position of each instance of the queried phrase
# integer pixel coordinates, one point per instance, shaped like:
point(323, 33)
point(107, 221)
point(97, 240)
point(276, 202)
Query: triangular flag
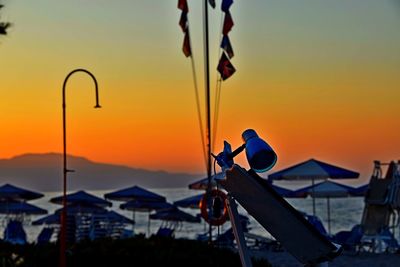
point(226, 4)
point(183, 21)
point(3, 27)
point(182, 5)
point(186, 45)
point(226, 45)
point(212, 3)
point(225, 67)
point(228, 23)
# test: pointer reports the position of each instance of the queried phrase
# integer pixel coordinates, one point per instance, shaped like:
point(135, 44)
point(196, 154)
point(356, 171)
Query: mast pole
point(208, 104)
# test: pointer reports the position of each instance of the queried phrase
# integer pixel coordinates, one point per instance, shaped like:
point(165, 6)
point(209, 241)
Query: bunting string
point(218, 86)
point(225, 67)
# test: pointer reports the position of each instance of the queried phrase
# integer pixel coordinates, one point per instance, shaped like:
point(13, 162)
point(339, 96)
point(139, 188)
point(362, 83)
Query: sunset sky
point(315, 79)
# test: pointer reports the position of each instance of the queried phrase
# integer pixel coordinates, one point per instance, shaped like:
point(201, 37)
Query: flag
point(226, 4)
point(3, 27)
point(225, 67)
point(183, 21)
point(228, 23)
point(182, 5)
point(226, 45)
point(186, 45)
point(212, 3)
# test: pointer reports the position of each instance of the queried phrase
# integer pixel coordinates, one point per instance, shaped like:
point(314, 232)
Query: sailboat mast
point(208, 104)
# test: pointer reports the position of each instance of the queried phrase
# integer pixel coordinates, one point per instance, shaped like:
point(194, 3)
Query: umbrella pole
point(148, 226)
point(133, 224)
point(313, 198)
point(328, 203)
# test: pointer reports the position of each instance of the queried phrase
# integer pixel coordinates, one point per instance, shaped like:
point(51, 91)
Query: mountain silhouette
point(43, 172)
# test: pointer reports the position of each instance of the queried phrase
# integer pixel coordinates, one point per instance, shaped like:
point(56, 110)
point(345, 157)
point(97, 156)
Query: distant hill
point(43, 172)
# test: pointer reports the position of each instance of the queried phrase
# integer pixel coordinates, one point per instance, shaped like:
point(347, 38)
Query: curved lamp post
point(63, 241)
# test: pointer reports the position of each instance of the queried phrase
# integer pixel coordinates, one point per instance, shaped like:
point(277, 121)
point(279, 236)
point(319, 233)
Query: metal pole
point(63, 233)
point(208, 104)
point(148, 225)
point(238, 232)
point(134, 222)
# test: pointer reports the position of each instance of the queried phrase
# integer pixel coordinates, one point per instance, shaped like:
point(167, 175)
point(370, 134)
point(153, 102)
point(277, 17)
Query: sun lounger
point(45, 235)
point(350, 240)
point(98, 226)
point(258, 242)
point(165, 232)
point(15, 233)
point(384, 241)
point(317, 223)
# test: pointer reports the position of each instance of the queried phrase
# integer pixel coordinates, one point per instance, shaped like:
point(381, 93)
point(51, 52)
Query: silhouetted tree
point(4, 25)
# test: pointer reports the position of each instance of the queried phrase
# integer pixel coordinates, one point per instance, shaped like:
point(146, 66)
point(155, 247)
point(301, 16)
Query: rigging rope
point(217, 88)
point(200, 119)
point(216, 109)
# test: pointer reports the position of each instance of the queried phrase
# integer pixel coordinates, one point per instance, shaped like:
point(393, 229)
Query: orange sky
point(314, 79)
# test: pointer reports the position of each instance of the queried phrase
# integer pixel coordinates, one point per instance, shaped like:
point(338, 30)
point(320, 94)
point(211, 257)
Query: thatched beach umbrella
point(14, 193)
point(145, 206)
point(13, 202)
point(174, 215)
point(328, 190)
point(202, 184)
point(134, 193)
point(20, 208)
point(81, 198)
point(192, 202)
point(313, 170)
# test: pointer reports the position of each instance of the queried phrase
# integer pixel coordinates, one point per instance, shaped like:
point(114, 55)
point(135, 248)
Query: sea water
point(345, 213)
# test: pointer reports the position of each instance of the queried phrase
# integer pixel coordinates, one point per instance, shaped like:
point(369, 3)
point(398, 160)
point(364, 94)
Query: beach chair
point(83, 223)
point(126, 233)
point(350, 240)
point(317, 223)
point(257, 242)
point(99, 226)
point(15, 233)
point(226, 238)
point(382, 202)
point(165, 232)
point(45, 235)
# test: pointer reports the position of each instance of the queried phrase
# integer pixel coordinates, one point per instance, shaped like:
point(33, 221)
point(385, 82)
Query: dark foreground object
point(123, 253)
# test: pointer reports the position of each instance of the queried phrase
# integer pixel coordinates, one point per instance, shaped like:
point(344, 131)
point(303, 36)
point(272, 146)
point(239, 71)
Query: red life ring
point(218, 217)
